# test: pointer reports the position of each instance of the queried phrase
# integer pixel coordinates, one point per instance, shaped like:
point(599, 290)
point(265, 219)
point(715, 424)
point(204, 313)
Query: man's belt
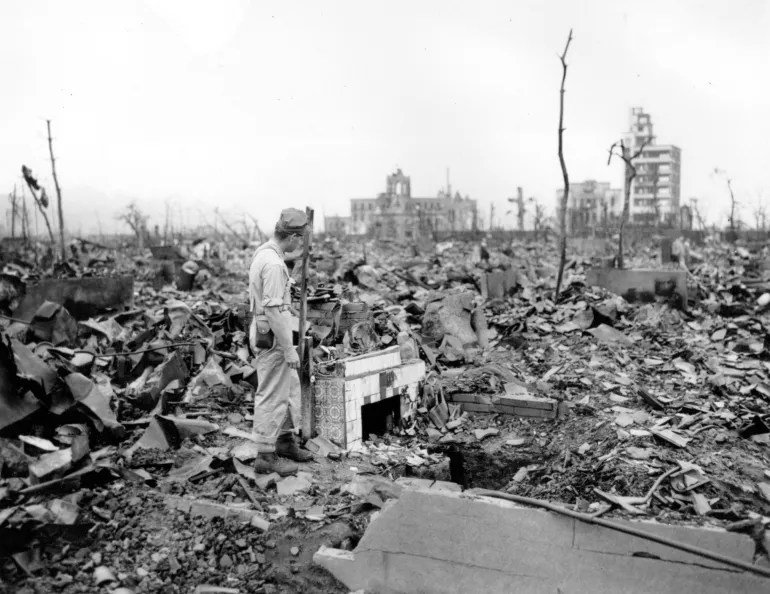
point(281, 308)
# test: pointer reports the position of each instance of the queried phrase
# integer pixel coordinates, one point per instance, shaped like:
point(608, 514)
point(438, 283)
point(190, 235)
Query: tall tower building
point(655, 190)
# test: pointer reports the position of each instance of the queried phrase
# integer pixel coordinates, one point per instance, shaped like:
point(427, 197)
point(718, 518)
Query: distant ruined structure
point(591, 205)
point(395, 214)
point(655, 191)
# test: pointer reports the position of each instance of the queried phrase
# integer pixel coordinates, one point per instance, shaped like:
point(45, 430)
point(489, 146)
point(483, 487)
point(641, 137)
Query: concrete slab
point(82, 297)
point(642, 284)
point(443, 542)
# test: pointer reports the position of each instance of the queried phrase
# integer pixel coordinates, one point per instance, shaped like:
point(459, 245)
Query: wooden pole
point(58, 195)
point(306, 346)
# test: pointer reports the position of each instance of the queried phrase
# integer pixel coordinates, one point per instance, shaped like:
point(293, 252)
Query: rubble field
point(125, 444)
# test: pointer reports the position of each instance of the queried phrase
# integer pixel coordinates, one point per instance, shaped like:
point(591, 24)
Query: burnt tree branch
point(629, 174)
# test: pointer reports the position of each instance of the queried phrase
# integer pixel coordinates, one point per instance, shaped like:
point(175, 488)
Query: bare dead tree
point(760, 213)
point(12, 198)
point(733, 202)
point(41, 201)
point(166, 224)
point(732, 206)
point(58, 194)
point(137, 220)
point(760, 217)
point(230, 228)
point(261, 236)
point(24, 215)
point(520, 207)
point(565, 175)
point(540, 219)
point(630, 173)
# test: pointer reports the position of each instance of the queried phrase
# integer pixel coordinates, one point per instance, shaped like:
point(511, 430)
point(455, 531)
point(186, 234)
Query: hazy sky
point(256, 106)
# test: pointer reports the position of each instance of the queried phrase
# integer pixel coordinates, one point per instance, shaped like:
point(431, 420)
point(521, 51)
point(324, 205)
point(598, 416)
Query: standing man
point(277, 402)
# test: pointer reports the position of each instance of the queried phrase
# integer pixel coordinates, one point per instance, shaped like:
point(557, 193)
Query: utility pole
point(58, 194)
point(491, 216)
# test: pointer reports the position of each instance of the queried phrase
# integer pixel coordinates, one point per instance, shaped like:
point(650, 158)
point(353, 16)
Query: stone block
point(520, 411)
point(529, 402)
point(211, 509)
point(478, 408)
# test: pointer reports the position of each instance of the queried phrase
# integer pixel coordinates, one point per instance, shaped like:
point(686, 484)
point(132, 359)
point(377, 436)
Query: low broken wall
point(82, 297)
point(644, 285)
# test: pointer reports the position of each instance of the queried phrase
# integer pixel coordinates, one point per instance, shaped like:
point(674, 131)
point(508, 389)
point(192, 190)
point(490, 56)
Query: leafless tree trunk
point(13, 211)
point(261, 236)
point(134, 218)
point(733, 202)
point(166, 224)
point(58, 194)
point(235, 233)
point(760, 214)
point(565, 175)
point(630, 174)
point(539, 219)
point(41, 201)
point(732, 207)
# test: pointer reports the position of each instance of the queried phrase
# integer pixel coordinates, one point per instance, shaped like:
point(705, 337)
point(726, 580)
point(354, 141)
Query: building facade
point(655, 191)
point(396, 214)
point(591, 205)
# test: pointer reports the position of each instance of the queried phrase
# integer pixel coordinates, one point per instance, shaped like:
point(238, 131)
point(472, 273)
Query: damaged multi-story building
point(655, 190)
point(396, 214)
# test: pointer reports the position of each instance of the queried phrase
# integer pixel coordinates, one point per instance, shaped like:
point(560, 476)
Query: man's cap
point(292, 221)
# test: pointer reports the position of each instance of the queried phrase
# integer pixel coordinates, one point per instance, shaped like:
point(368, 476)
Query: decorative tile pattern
point(338, 401)
point(329, 409)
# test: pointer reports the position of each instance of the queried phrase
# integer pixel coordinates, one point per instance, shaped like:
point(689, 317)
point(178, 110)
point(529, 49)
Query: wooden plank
point(305, 344)
point(306, 389)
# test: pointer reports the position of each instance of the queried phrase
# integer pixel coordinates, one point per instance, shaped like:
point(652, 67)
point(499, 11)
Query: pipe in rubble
point(589, 519)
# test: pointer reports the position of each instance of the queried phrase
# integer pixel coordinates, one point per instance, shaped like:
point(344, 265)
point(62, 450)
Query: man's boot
point(288, 447)
point(268, 462)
